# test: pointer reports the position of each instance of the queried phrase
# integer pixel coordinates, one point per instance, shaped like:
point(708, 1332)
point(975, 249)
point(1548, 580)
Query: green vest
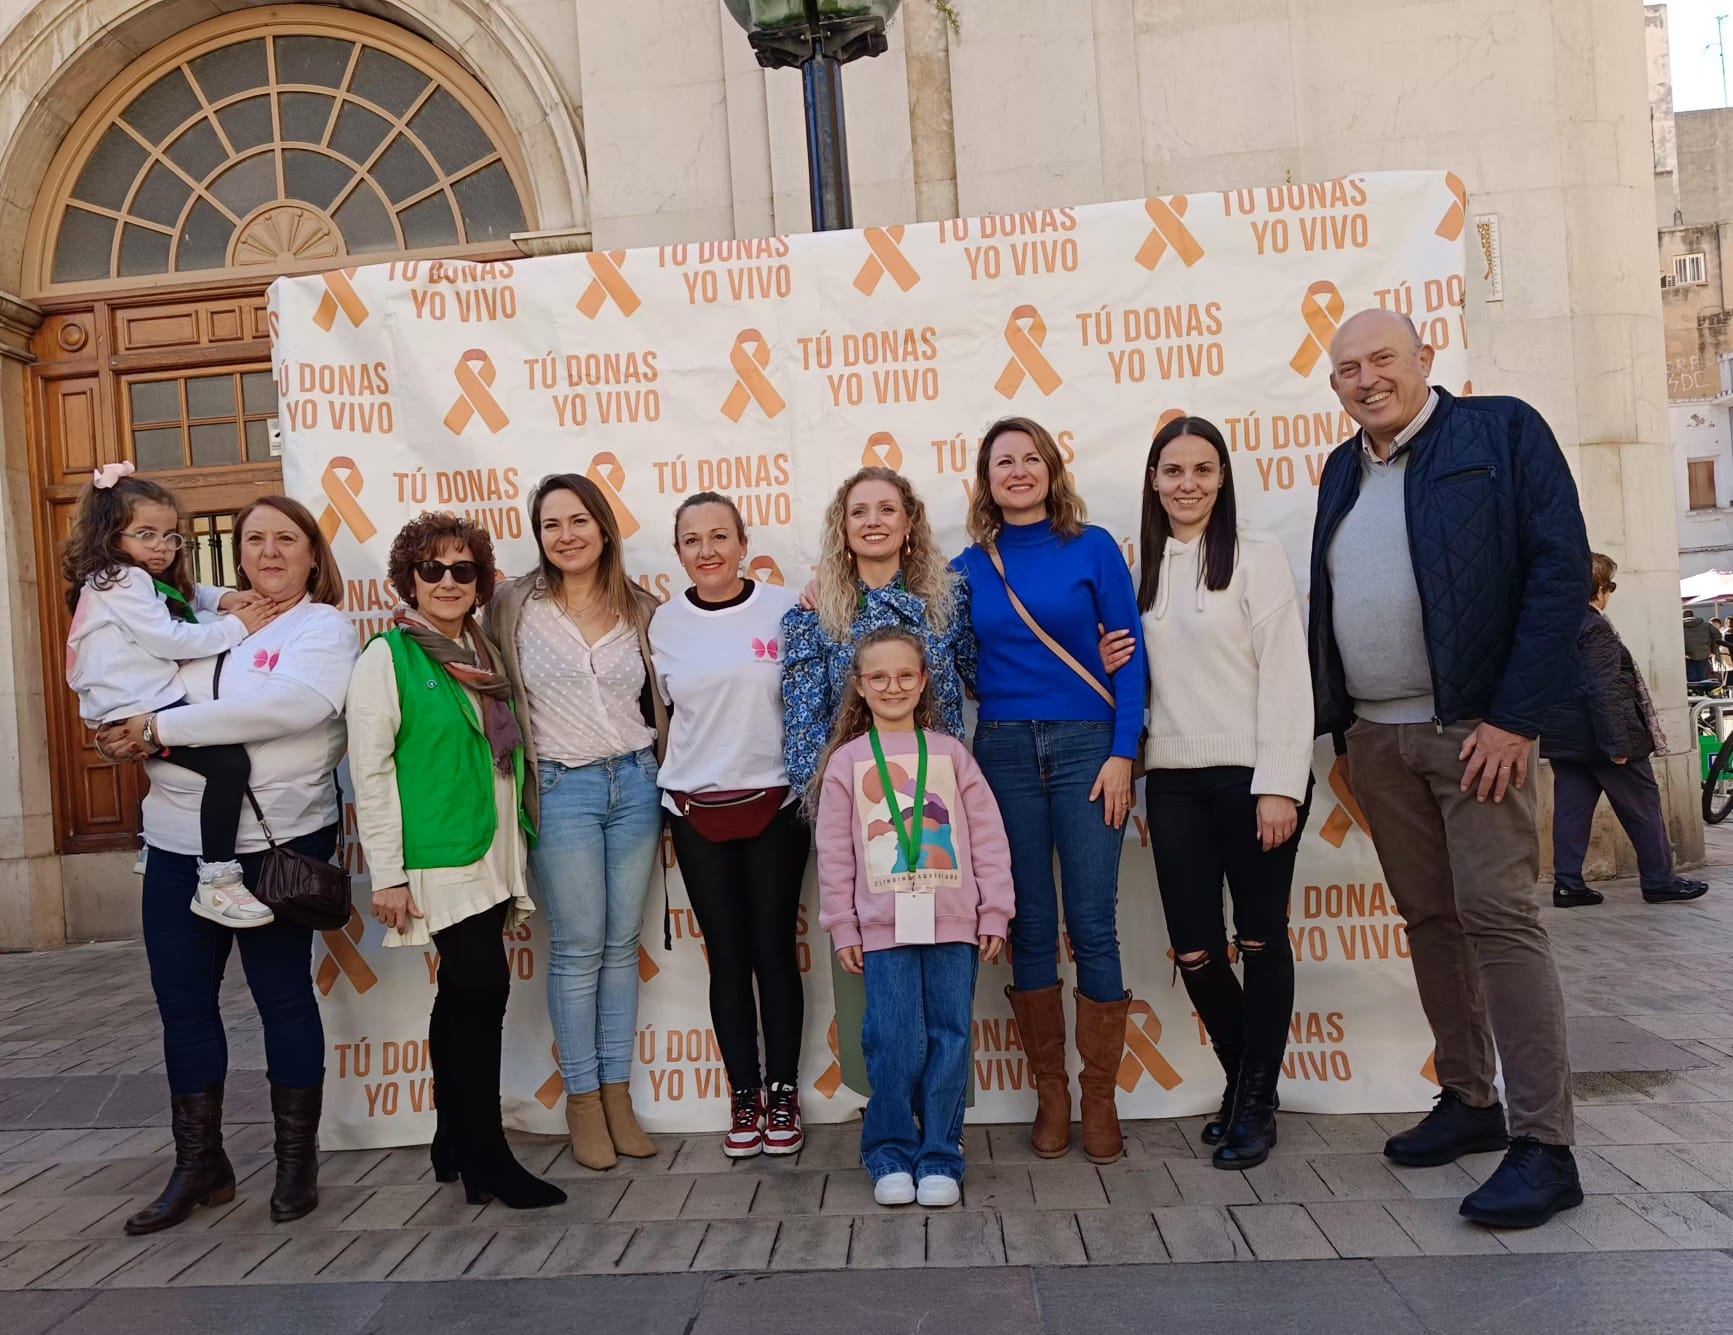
point(444, 765)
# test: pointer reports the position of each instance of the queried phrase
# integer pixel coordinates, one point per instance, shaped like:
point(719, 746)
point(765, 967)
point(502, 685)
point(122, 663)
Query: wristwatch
point(148, 735)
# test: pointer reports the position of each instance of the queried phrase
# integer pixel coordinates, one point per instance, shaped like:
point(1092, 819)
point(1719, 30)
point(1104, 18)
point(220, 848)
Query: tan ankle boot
point(591, 1144)
point(1101, 1043)
point(623, 1129)
point(1041, 1023)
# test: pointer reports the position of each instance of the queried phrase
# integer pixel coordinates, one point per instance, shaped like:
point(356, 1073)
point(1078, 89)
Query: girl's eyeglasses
point(151, 538)
point(879, 682)
point(431, 572)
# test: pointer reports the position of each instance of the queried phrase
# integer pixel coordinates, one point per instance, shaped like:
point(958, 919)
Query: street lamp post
point(820, 36)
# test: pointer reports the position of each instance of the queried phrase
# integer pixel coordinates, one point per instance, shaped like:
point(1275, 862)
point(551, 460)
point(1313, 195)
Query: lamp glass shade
point(767, 15)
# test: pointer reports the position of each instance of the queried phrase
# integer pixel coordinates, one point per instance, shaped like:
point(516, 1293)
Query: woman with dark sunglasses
point(437, 759)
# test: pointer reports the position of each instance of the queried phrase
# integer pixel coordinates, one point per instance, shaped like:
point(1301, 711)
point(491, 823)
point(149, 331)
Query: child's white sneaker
point(138, 862)
point(895, 1189)
point(223, 898)
point(937, 1190)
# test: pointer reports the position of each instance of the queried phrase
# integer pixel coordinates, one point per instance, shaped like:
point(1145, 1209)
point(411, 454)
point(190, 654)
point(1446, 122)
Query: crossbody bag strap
point(1058, 650)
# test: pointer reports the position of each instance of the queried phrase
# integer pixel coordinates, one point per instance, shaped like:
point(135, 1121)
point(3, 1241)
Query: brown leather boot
point(296, 1115)
point(202, 1174)
point(1101, 1043)
point(1041, 1022)
point(623, 1129)
point(591, 1144)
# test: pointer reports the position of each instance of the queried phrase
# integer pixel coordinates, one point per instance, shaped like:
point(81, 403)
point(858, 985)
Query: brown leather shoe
point(591, 1144)
point(1041, 1022)
point(202, 1174)
point(623, 1129)
point(295, 1113)
point(1101, 1043)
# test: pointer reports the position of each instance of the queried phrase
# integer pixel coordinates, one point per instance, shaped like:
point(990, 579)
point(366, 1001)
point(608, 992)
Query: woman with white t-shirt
point(573, 640)
point(280, 693)
point(737, 831)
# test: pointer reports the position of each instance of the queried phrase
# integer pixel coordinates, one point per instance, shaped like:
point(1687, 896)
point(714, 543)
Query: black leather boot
point(1534, 1183)
point(485, 1162)
point(1217, 1126)
point(202, 1173)
point(1252, 1133)
point(296, 1114)
point(1452, 1129)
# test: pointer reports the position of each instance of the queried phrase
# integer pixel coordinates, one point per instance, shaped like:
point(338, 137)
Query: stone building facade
point(161, 160)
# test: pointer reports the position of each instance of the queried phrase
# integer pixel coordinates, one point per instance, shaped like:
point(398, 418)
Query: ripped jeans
point(1202, 830)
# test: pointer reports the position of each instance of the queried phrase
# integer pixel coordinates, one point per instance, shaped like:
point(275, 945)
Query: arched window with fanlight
point(268, 140)
point(312, 141)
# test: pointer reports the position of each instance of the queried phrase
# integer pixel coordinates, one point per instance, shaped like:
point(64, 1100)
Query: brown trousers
point(1463, 873)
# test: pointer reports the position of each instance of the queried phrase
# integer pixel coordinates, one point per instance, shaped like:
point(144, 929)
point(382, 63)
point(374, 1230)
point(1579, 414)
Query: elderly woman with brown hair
point(437, 759)
point(280, 693)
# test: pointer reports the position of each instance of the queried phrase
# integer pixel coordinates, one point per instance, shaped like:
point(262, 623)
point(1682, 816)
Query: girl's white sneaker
point(223, 898)
point(937, 1190)
point(895, 1189)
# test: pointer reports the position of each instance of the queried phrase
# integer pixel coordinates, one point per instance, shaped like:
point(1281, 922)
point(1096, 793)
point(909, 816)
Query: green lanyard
point(909, 839)
point(184, 610)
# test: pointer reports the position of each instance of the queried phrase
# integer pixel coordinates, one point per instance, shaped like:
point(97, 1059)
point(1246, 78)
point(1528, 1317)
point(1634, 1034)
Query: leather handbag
point(300, 890)
point(1059, 651)
point(726, 817)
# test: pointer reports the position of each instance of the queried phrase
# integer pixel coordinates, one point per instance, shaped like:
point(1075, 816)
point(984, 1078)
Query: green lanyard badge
point(910, 832)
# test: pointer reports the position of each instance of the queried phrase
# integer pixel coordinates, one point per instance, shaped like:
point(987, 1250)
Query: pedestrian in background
point(1700, 644)
point(1599, 738)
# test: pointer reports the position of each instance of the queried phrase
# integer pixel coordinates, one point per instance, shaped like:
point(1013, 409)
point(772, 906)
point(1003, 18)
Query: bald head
point(1378, 368)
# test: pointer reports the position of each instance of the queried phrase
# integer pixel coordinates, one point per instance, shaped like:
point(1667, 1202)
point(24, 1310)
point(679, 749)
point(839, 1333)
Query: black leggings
point(226, 770)
point(746, 894)
point(465, 1030)
point(1202, 828)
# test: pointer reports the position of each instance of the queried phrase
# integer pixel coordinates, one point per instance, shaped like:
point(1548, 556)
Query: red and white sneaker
point(782, 1133)
point(745, 1137)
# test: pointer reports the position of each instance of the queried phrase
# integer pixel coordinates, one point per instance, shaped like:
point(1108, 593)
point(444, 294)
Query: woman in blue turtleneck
point(1057, 749)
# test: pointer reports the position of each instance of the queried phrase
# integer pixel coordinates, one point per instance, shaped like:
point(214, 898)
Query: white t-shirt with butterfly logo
point(721, 671)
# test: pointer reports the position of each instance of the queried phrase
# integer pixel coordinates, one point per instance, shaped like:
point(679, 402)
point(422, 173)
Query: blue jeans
point(187, 955)
point(917, 1041)
point(594, 854)
point(1041, 774)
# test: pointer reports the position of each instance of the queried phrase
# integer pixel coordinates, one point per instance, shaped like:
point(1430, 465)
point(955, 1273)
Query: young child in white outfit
point(134, 620)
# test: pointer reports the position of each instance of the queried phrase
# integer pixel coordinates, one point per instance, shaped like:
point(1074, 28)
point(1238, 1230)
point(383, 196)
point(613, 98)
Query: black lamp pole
point(821, 47)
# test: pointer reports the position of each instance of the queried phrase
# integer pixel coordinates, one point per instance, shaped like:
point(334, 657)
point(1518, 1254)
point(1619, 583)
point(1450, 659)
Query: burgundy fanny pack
point(725, 817)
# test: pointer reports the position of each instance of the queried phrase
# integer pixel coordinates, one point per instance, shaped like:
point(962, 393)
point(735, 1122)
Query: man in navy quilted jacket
point(1449, 571)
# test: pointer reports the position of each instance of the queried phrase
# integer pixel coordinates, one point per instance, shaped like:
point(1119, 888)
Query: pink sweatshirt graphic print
point(965, 859)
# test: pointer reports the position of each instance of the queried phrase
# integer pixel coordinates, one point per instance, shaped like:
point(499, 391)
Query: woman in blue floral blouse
point(878, 566)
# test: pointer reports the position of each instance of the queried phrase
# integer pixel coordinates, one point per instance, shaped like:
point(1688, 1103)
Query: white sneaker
point(938, 1191)
point(895, 1189)
point(223, 898)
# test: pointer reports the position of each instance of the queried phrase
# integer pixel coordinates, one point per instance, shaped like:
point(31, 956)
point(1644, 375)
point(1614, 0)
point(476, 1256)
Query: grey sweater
point(1377, 615)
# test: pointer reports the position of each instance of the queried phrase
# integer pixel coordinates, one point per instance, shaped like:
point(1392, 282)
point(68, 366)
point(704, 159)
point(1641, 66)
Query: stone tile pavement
point(83, 1143)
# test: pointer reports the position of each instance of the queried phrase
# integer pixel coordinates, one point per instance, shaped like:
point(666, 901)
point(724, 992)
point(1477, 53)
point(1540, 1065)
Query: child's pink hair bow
point(106, 476)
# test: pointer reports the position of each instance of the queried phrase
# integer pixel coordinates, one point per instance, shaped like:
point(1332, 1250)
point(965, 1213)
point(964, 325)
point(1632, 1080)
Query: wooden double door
point(181, 385)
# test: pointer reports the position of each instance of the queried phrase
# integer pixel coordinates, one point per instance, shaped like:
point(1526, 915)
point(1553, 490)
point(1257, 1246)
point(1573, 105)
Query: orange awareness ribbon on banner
point(749, 356)
point(342, 482)
point(882, 451)
point(646, 966)
point(340, 295)
point(1429, 1067)
point(1171, 415)
point(765, 570)
point(274, 325)
point(1140, 1050)
point(608, 282)
point(554, 1085)
point(1027, 359)
point(1348, 812)
point(831, 1081)
point(1321, 308)
point(475, 394)
point(344, 960)
point(1168, 233)
point(609, 474)
point(887, 257)
point(1457, 213)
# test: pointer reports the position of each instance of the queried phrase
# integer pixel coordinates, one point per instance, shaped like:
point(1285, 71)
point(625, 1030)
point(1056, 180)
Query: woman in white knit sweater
point(1230, 759)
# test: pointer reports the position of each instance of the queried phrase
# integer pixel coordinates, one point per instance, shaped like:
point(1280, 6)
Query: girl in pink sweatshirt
point(914, 875)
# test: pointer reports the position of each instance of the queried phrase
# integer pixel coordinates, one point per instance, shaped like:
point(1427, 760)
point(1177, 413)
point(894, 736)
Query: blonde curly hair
point(1065, 508)
point(926, 573)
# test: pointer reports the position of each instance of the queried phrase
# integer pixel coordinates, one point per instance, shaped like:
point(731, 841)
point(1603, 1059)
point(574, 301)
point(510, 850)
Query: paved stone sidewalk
point(82, 1143)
